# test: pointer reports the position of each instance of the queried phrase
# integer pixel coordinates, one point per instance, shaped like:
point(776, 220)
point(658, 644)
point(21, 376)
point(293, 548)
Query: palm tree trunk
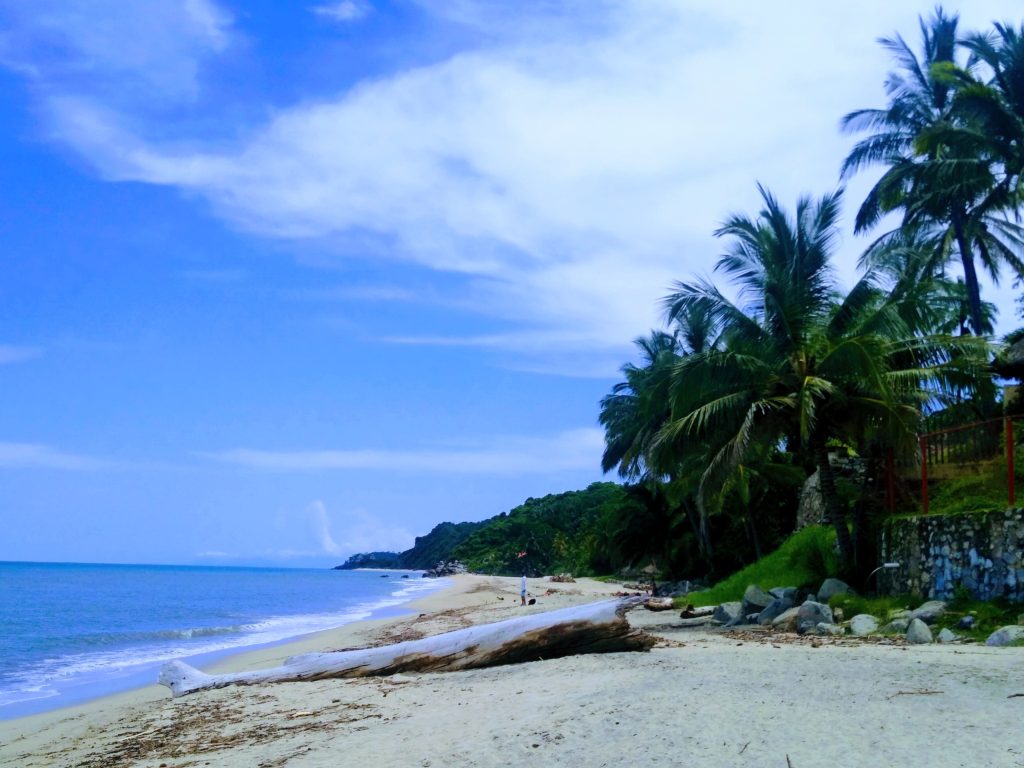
point(970, 276)
point(830, 496)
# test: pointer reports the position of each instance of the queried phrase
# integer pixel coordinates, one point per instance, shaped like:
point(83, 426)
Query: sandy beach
point(698, 698)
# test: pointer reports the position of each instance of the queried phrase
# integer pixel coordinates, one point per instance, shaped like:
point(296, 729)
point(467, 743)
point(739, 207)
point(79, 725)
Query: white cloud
point(571, 165)
point(10, 353)
point(358, 531)
point(345, 11)
point(38, 456)
point(578, 449)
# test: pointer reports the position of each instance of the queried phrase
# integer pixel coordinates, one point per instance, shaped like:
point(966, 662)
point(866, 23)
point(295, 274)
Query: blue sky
point(286, 281)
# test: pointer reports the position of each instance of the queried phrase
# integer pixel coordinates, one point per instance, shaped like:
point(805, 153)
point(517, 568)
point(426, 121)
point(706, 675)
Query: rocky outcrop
point(755, 600)
point(445, 568)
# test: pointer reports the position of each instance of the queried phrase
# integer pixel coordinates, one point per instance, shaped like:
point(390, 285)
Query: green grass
point(805, 559)
point(879, 607)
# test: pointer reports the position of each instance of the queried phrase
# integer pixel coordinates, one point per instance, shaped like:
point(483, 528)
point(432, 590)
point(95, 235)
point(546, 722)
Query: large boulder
point(755, 600)
point(773, 610)
point(832, 587)
point(810, 615)
point(726, 613)
point(863, 624)
point(918, 633)
point(786, 621)
point(1006, 636)
point(784, 593)
point(929, 612)
point(895, 627)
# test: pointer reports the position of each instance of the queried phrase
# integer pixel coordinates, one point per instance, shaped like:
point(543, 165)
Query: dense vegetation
point(757, 383)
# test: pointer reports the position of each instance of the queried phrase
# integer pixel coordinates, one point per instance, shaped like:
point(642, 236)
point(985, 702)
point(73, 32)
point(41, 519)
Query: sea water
point(71, 632)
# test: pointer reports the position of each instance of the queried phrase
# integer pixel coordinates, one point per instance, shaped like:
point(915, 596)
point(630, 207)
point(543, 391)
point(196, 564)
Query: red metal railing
point(967, 444)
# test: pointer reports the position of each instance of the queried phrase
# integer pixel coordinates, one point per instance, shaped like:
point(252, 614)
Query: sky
point(282, 282)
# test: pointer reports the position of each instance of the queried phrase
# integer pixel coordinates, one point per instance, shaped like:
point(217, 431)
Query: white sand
point(702, 699)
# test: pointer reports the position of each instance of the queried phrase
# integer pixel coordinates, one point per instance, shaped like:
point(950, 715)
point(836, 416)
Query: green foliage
point(557, 532)
point(881, 607)
point(438, 544)
point(805, 559)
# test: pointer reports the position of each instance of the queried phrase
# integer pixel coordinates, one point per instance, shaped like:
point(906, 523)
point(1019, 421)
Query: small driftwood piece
point(592, 628)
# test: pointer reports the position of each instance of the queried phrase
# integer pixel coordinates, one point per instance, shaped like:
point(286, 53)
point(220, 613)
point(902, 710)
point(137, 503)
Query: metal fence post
point(1010, 489)
point(924, 474)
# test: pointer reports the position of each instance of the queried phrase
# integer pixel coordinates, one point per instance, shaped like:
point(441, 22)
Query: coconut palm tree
point(800, 363)
point(942, 172)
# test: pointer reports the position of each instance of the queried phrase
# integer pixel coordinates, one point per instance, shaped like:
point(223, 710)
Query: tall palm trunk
point(970, 274)
point(833, 506)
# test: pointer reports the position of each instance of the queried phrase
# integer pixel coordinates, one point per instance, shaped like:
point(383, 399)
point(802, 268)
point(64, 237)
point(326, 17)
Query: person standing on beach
point(522, 590)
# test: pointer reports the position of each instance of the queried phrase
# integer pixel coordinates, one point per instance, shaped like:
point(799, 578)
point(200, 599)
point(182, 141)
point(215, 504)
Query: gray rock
point(810, 615)
point(900, 613)
point(829, 629)
point(726, 612)
point(929, 612)
point(918, 633)
point(947, 636)
point(786, 621)
point(832, 587)
point(773, 610)
point(863, 624)
point(1005, 636)
point(755, 599)
point(783, 593)
point(966, 622)
point(895, 627)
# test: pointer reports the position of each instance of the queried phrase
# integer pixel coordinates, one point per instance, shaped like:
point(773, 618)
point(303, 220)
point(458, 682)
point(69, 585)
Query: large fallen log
point(592, 628)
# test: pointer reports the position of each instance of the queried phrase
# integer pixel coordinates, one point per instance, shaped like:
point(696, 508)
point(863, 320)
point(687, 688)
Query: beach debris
point(592, 628)
point(689, 612)
point(659, 604)
point(919, 692)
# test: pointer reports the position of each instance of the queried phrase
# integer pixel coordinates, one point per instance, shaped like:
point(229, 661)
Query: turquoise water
point(71, 632)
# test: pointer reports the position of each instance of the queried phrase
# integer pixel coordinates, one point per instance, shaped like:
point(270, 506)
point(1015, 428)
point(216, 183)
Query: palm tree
point(799, 362)
point(942, 172)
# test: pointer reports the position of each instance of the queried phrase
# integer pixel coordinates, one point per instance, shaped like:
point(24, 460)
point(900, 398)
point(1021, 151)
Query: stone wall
point(980, 551)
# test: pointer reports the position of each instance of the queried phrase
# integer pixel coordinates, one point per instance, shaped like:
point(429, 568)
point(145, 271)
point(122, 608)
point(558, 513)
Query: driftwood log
point(592, 628)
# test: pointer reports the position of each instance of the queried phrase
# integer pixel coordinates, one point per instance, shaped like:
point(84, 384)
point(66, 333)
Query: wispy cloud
point(511, 455)
point(354, 531)
point(38, 456)
point(344, 11)
point(570, 163)
point(10, 353)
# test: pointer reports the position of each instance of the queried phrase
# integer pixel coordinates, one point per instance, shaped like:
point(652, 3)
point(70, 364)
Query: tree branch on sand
point(593, 628)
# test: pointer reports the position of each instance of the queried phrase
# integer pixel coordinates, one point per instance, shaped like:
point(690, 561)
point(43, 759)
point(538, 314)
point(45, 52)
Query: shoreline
point(699, 697)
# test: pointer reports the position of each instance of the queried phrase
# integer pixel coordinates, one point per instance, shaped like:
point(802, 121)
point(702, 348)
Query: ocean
point(71, 632)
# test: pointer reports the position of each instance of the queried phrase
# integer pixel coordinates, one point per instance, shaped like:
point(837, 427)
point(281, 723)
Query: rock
point(783, 593)
point(445, 568)
point(863, 624)
point(900, 613)
point(829, 629)
point(773, 610)
point(918, 633)
point(929, 612)
point(810, 615)
point(1005, 636)
point(676, 588)
point(966, 622)
point(832, 587)
point(786, 621)
point(947, 636)
point(659, 604)
point(726, 612)
point(755, 600)
point(895, 627)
